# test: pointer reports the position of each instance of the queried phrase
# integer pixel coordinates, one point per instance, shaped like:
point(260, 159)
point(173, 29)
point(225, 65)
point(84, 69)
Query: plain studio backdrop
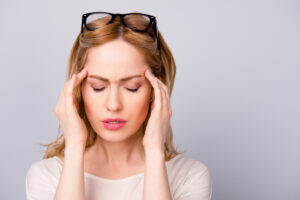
point(236, 98)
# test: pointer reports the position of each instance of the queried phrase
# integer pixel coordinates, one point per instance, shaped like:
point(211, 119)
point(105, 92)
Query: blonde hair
point(160, 60)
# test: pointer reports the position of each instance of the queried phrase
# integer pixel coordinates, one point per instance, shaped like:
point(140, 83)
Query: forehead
point(115, 59)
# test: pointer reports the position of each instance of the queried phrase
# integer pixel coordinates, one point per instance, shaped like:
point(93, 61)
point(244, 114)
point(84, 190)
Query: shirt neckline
point(122, 179)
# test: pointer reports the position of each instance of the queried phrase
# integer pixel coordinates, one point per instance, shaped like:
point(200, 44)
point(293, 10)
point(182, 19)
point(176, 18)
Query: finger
point(61, 101)
point(163, 95)
point(158, 95)
point(150, 76)
point(68, 94)
point(165, 88)
point(79, 77)
point(167, 95)
point(165, 100)
point(70, 85)
point(157, 91)
point(74, 82)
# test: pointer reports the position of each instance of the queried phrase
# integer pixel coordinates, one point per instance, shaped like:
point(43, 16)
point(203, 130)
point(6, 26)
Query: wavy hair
point(160, 60)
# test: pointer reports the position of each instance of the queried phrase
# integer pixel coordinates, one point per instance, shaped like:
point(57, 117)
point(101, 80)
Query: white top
point(189, 179)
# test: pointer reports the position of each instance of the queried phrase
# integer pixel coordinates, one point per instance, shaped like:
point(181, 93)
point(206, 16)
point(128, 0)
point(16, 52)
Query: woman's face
point(127, 99)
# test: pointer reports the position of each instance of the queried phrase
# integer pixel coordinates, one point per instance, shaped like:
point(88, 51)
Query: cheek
point(140, 103)
point(139, 106)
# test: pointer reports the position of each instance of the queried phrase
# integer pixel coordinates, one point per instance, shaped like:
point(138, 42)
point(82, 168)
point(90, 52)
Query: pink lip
point(114, 119)
point(113, 126)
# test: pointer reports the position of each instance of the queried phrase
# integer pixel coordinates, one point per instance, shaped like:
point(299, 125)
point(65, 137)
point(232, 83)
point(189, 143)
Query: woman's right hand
point(73, 126)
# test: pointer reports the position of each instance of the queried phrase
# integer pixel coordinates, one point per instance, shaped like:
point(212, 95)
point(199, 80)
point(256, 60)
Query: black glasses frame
point(152, 20)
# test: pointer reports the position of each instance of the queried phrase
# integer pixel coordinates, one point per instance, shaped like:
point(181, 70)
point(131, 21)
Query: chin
point(115, 135)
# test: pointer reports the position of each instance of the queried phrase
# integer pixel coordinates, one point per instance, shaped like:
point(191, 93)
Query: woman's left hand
point(161, 112)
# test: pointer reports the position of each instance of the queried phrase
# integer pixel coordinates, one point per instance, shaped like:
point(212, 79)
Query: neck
point(121, 153)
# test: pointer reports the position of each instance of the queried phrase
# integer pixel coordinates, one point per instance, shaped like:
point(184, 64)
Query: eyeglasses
point(138, 22)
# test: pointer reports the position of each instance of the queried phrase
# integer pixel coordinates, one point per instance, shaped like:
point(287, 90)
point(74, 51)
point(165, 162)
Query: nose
point(113, 102)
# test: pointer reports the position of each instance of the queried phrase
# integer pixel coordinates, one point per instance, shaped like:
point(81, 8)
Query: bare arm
point(156, 183)
point(71, 182)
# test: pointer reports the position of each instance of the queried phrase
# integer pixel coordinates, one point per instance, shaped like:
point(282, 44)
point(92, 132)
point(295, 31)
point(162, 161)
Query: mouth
point(113, 124)
point(113, 120)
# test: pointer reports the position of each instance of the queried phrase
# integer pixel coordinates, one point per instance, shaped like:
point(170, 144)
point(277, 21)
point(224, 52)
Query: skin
point(120, 149)
point(124, 152)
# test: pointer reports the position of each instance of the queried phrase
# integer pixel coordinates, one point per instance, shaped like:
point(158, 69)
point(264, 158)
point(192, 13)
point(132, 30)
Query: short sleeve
point(197, 186)
point(39, 183)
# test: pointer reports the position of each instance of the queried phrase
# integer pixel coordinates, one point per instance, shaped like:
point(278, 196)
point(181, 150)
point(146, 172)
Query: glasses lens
point(97, 20)
point(136, 21)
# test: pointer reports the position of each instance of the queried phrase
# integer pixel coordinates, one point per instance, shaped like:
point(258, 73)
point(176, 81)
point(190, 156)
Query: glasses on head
point(138, 22)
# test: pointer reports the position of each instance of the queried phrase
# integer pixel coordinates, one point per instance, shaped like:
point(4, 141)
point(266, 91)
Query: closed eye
point(101, 89)
point(98, 90)
point(133, 90)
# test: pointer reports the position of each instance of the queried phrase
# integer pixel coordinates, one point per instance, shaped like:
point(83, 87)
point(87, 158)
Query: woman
point(115, 113)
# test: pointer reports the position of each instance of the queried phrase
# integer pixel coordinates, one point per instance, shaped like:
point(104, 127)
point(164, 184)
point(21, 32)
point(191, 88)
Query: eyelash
point(101, 89)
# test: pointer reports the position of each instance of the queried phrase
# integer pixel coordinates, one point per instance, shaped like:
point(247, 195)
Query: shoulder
point(190, 178)
point(187, 165)
point(48, 166)
point(42, 177)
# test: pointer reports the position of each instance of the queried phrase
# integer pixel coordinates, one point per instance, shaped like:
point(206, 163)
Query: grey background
point(236, 95)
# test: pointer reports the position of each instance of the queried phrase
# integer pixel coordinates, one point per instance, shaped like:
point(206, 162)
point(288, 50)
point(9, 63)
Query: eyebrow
point(122, 79)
